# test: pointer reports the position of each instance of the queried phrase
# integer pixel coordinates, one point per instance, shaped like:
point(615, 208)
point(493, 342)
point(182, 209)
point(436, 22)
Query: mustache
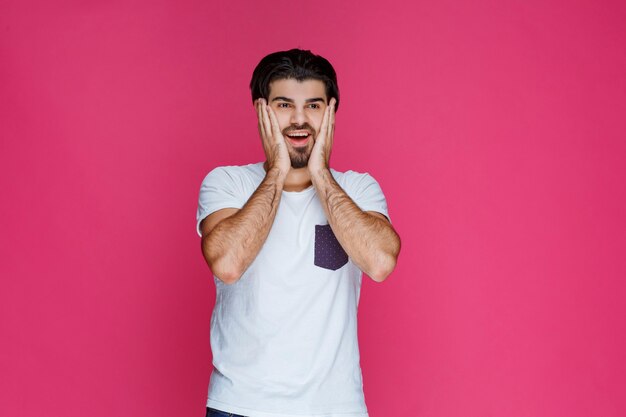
point(294, 128)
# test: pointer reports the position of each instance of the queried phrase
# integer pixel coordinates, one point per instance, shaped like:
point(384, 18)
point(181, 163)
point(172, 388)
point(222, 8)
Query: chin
point(300, 160)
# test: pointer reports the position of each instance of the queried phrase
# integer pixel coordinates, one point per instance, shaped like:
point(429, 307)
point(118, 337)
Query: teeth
point(301, 135)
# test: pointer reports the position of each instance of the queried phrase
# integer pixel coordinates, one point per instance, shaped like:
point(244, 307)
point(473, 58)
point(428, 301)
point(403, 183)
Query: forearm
point(235, 242)
point(371, 242)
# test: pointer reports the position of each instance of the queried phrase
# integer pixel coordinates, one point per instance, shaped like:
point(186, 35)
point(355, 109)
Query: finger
point(331, 111)
point(275, 125)
point(259, 113)
point(329, 131)
point(331, 125)
point(324, 126)
point(266, 121)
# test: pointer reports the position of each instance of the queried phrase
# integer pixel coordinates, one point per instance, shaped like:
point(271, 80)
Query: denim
point(212, 412)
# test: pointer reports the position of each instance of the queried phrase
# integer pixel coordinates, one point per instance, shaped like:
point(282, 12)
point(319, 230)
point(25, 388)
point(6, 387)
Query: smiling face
point(299, 107)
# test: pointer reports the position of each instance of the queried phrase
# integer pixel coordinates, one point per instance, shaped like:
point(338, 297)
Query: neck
point(297, 179)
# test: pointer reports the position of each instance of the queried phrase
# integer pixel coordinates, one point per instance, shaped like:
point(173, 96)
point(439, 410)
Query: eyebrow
point(288, 100)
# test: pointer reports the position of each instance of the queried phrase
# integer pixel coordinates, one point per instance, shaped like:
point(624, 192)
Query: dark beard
point(301, 160)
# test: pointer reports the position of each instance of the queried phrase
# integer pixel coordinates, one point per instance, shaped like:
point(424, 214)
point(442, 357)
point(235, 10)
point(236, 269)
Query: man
point(287, 241)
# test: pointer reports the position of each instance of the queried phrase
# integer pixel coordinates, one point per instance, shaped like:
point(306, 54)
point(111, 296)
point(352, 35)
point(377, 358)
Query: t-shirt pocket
point(328, 251)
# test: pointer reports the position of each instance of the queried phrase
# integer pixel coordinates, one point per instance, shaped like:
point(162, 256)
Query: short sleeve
point(219, 190)
point(368, 195)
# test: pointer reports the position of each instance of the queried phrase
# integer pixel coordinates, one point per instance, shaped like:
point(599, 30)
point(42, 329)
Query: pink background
point(495, 128)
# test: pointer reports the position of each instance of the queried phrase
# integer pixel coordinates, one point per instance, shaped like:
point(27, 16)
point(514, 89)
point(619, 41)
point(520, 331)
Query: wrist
point(276, 175)
point(319, 174)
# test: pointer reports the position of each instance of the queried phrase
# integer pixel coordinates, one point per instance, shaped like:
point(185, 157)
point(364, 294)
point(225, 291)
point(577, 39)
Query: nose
point(297, 116)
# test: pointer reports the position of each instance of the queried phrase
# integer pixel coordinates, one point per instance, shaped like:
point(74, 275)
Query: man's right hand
point(274, 144)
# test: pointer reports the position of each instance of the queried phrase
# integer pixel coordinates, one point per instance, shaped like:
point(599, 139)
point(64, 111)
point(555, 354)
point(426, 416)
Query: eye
point(283, 105)
point(314, 106)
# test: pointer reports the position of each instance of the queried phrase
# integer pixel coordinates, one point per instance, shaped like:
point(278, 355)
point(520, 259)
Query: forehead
point(294, 89)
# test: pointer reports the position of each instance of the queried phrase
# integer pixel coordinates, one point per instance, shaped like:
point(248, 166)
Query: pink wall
point(496, 129)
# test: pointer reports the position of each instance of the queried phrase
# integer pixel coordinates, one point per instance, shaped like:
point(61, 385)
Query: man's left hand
point(320, 154)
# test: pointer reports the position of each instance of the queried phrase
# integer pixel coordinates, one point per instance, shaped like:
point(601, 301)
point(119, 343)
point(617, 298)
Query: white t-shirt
point(284, 336)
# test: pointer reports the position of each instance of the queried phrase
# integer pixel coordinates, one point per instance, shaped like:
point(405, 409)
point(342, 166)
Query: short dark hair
point(297, 64)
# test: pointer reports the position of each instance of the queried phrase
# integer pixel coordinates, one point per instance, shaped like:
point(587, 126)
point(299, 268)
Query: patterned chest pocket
point(328, 251)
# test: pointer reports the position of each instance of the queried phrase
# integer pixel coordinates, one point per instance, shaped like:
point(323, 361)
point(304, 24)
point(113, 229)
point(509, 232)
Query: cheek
point(283, 122)
point(317, 123)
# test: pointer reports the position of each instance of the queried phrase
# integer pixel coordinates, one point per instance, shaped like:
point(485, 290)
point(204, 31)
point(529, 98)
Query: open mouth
point(298, 138)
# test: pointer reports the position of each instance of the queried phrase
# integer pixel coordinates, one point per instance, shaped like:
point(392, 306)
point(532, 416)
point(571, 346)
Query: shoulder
point(363, 189)
point(351, 179)
point(227, 186)
point(234, 172)
point(229, 170)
